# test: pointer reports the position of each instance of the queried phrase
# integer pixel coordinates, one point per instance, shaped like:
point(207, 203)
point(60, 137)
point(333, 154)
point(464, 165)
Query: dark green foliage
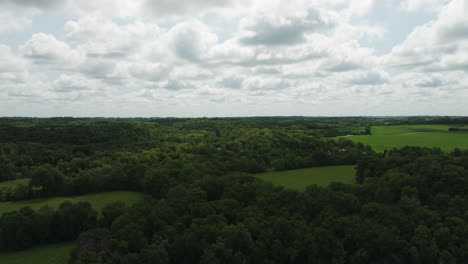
point(409, 206)
point(407, 211)
point(26, 227)
point(144, 156)
point(46, 179)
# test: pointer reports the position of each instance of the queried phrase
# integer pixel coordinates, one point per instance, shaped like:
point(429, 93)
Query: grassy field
point(97, 200)
point(50, 254)
point(300, 179)
point(387, 137)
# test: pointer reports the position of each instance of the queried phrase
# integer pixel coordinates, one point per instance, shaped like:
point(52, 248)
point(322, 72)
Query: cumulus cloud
point(46, 49)
point(18, 14)
point(106, 8)
point(255, 83)
point(169, 7)
point(9, 62)
point(33, 3)
point(176, 85)
point(231, 82)
point(176, 58)
point(363, 7)
point(422, 5)
point(11, 21)
point(284, 29)
point(439, 45)
point(98, 36)
point(13, 70)
point(370, 78)
point(73, 83)
point(192, 40)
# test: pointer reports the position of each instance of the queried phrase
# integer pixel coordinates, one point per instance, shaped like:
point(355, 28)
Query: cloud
point(284, 29)
point(370, 78)
point(343, 66)
point(18, 14)
point(9, 63)
point(430, 83)
point(13, 69)
point(46, 49)
point(439, 45)
point(106, 8)
point(231, 82)
point(43, 4)
point(422, 5)
point(174, 85)
point(360, 8)
point(100, 37)
point(73, 83)
point(168, 7)
point(120, 57)
point(153, 72)
point(264, 84)
point(192, 40)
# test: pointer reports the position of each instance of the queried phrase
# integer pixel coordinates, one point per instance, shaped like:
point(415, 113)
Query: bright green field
point(97, 200)
point(387, 137)
point(50, 254)
point(300, 179)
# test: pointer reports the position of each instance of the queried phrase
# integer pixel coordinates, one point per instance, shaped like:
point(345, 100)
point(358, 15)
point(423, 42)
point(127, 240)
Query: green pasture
point(388, 137)
point(300, 179)
point(97, 200)
point(404, 129)
point(50, 254)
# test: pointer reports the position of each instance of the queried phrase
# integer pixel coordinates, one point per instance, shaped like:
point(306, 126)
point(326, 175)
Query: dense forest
point(203, 205)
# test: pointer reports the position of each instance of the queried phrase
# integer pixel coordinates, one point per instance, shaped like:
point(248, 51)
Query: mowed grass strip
point(97, 200)
point(50, 254)
point(300, 179)
point(388, 137)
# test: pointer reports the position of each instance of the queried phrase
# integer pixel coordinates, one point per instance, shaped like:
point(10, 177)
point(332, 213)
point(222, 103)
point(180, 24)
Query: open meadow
point(50, 254)
point(300, 179)
point(97, 200)
point(388, 137)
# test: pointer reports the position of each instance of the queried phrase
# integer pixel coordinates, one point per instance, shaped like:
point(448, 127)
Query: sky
point(197, 58)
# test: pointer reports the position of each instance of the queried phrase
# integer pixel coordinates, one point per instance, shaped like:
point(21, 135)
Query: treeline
point(25, 228)
point(167, 157)
point(458, 129)
point(77, 132)
point(410, 207)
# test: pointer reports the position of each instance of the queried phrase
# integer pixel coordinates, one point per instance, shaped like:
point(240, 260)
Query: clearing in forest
point(300, 179)
point(388, 137)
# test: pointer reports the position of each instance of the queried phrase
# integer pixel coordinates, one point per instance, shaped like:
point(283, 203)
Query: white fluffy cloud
point(17, 14)
point(169, 7)
point(192, 40)
point(46, 49)
point(278, 57)
point(9, 62)
point(440, 45)
point(285, 29)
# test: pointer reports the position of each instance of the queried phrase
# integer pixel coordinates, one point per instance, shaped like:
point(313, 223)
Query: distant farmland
point(300, 179)
point(388, 137)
